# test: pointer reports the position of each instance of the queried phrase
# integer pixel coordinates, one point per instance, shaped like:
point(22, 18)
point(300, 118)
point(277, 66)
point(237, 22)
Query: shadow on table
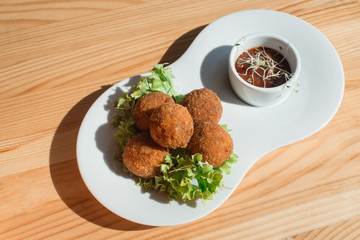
point(66, 176)
point(179, 47)
point(62, 160)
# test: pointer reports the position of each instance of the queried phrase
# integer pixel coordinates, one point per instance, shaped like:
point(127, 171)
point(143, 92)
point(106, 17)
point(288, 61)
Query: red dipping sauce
point(263, 67)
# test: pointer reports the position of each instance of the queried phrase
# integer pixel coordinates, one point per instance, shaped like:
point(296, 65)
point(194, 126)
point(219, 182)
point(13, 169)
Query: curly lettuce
point(183, 176)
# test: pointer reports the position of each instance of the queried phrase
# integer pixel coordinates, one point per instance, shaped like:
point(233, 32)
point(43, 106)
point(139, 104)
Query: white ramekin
point(259, 96)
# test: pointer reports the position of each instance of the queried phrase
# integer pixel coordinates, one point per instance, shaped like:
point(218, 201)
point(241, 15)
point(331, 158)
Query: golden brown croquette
point(146, 105)
point(203, 105)
point(171, 126)
point(142, 156)
point(212, 142)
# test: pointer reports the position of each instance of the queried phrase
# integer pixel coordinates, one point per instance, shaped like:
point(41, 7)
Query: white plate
point(256, 131)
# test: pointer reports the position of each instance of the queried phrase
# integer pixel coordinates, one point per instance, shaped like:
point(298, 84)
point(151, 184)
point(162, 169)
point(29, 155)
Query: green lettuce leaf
point(226, 167)
point(159, 80)
point(187, 177)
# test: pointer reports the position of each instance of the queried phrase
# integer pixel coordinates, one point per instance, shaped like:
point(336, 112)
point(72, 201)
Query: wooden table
point(57, 57)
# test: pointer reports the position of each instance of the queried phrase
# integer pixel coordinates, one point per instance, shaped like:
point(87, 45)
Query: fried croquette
point(212, 142)
point(203, 105)
point(171, 126)
point(146, 105)
point(142, 156)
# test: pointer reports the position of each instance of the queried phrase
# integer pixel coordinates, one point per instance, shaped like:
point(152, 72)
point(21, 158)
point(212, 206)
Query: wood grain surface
point(57, 57)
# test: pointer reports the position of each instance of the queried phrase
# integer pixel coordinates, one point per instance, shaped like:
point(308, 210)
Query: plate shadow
point(214, 74)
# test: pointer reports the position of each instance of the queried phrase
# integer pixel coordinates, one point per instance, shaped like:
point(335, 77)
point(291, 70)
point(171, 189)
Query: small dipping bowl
point(260, 96)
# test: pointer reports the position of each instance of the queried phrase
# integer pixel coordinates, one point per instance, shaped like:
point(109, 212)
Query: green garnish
point(159, 80)
point(178, 173)
point(183, 176)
